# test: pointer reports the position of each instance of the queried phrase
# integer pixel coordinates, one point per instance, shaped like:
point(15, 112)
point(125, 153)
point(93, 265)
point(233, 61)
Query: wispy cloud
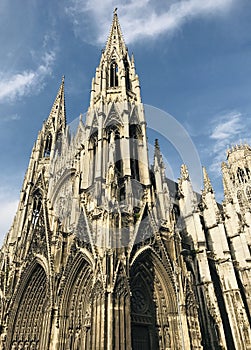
point(8, 207)
point(23, 83)
point(139, 19)
point(7, 213)
point(228, 129)
point(10, 118)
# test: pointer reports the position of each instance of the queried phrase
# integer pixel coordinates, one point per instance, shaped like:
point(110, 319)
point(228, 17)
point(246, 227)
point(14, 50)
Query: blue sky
point(193, 58)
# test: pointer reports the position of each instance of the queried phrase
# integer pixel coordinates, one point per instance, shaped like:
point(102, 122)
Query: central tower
point(101, 256)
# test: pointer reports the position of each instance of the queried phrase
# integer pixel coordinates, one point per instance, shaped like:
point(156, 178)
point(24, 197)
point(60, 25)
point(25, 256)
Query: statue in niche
point(20, 345)
point(27, 345)
point(14, 345)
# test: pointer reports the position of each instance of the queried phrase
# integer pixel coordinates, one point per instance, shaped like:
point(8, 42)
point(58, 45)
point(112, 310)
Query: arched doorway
point(29, 319)
point(75, 333)
point(154, 312)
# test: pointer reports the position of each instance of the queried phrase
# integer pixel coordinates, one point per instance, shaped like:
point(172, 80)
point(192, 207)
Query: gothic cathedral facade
point(103, 256)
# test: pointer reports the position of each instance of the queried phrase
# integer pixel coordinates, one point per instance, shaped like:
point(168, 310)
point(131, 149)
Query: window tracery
point(241, 176)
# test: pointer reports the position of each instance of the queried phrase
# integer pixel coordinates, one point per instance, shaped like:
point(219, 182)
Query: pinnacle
point(184, 174)
point(206, 180)
point(156, 145)
point(157, 152)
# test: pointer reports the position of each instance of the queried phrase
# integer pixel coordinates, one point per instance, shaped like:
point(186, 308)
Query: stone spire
point(115, 41)
point(55, 124)
point(115, 79)
point(57, 117)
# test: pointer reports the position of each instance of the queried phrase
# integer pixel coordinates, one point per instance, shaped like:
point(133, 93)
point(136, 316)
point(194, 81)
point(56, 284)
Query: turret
point(221, 263)
point(237, 212)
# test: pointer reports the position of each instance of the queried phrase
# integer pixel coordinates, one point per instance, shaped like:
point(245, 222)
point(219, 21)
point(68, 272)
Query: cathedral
point(106, 253)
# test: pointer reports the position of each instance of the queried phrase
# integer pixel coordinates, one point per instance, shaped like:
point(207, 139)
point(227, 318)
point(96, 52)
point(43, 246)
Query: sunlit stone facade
point(106, 253)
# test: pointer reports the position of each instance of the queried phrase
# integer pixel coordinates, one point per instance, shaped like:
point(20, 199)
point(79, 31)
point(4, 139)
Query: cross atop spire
point(115, 39)
point(115, 79)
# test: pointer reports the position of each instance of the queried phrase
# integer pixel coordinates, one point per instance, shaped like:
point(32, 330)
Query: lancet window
point(135, 136)
point(114, 147)
point(113, 74)
point(241, 175)
point(93, 154)
point(127, 75)
point(48, 143)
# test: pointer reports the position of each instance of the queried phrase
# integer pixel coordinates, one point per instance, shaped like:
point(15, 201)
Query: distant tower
point(237, 209)
point(101, 255)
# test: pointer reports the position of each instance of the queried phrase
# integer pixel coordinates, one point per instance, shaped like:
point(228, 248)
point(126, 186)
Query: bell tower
point(107, 253)
point(116, 154)
point(237, 208)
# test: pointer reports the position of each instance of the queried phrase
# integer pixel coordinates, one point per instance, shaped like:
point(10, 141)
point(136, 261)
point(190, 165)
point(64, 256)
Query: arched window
point(127, 75)
point(241, 175)
point(47, 148)
point(113, 74)
point(93, 143)
point(134, 133)
point(114, 137)
point(248, 173)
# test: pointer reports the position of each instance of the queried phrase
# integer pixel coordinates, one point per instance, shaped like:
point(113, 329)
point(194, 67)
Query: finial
point(207, 182)
point(156, 143)
point(115, 11)
point(184, 173)
point(157, 149)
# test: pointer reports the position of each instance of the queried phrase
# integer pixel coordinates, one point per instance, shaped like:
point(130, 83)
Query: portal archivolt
point(30, 315)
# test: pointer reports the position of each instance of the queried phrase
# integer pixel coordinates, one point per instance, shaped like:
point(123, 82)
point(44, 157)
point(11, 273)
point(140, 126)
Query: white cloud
point(10, 118)
point(229, 126)
point(141, 18)
point(21, 84)
point(7, 212)
point(228, 129)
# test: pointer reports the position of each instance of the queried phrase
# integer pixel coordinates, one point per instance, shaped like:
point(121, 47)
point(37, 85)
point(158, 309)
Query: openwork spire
point(57, 117)
point(115, 41)
point(115, 79)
